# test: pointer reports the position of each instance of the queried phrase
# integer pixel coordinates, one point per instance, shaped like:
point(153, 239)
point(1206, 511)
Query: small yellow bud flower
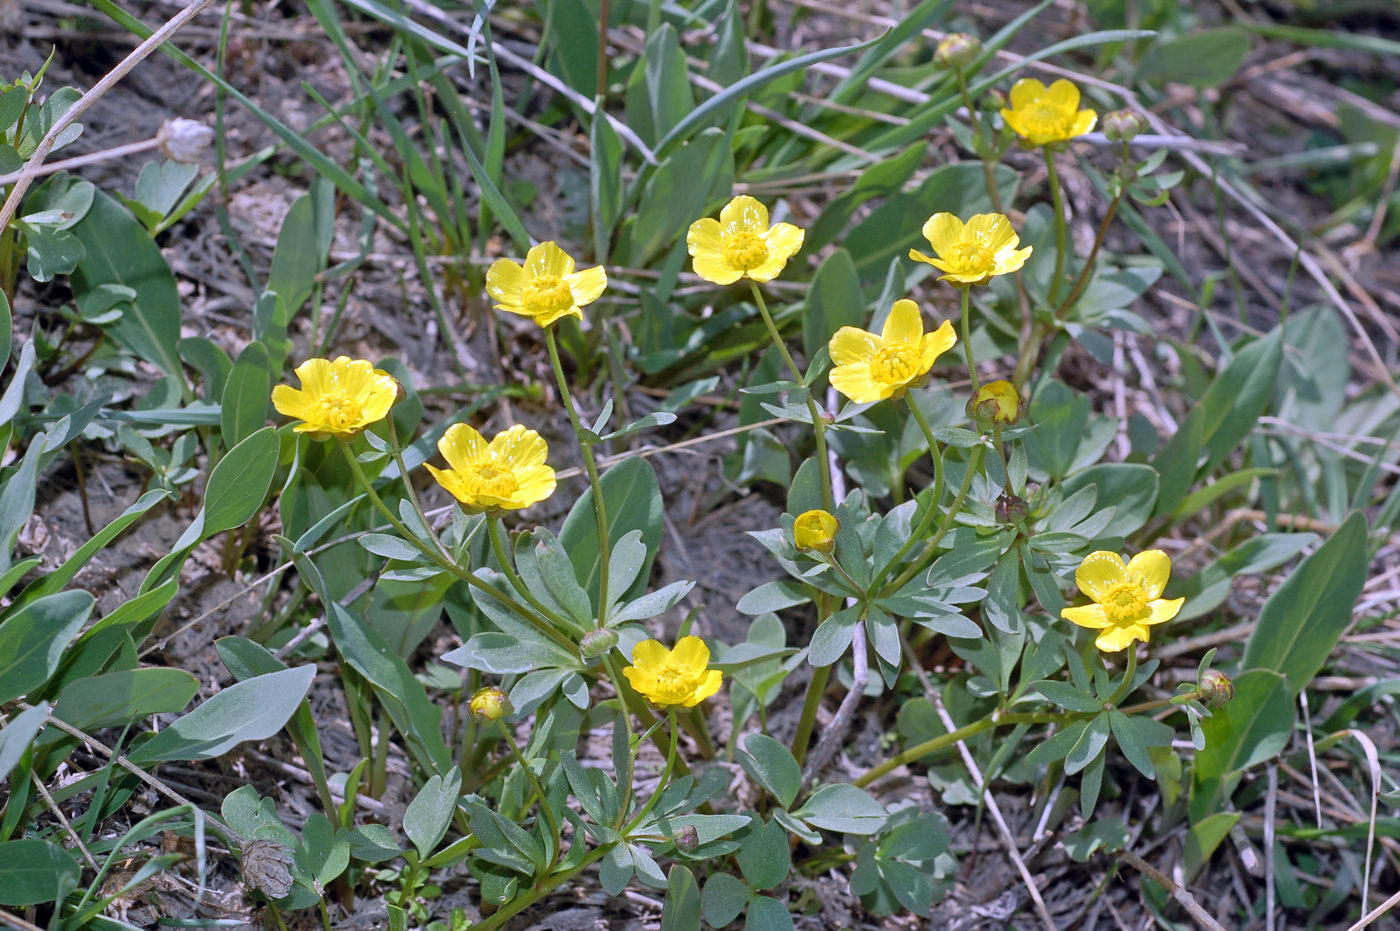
point(972, 252)
point(680, 676)
point(815, 530)
point(740, 244)
point(996, 402)
point(1216, 688)
point(546, 288)
point(957, 50)
point(507, 474)
point(1127, 599)
point(338, 397)
point(871, 368)
point(489, 704)
point(1042, 115)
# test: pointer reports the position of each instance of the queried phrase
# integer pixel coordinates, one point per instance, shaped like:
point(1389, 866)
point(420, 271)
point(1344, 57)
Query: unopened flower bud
point(997, 402)
point(267, 865)
point(489, 704)
point(1122, 125)
point(815, 530)
point(993, 100)
point(957, 50)
point(597, 642)
point(1011, 509)
point(687, 838)
point(1216, 688)
point(184, 140)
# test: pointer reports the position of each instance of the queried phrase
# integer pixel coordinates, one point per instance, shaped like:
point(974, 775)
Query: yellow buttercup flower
point(681, 676)
point(996, 402)
point(740, 244)
point(1042, 115)
point(338, 397)
point(972, 252)
point(546, 288)
point(815, 530)
point(871, 368)
point(506, 474)
point(488, 704)
point(1127, 599)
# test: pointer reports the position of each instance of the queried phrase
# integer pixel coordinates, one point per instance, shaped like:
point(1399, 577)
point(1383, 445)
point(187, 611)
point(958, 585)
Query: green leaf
point(33, 638)
point(1204, 837)
point(117, 698)
point(34, 871)
point(843, 808)
point(701, 115)
point(1305, 616)
point(772, 596)
point(1203, 498)
point(1130, 742)
point(772, 766)
point(6, 329)
point(1067, 696)
point(246, 395)
point(428, 816)
point(1202, 59)
point(682, 909)
point(253, 709)
point(1129, 488)
point(723, 899)
point(833, 637)
point(1252, 728)
point(767, 914)
point(634, 503)
point(18, 733)
point(52, 252)
point(1089, 745)
point(765, 858)
point(119, 251)
point(239, 483)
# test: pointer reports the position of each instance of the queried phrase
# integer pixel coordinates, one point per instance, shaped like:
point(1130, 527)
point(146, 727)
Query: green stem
point(535, 784)
point(498, 545)
point(590, 464)
point(1086, 273)
point(541, 889)
point(983, 143)
point(816, 688)
point(1000, 447)
point(818, 423)
point(1126, 685)
point(966, 326)
point(1057, 199)
point(935, 453)
point(620, 685)
point(665, 774)
point(540, 623)
point(974, 465)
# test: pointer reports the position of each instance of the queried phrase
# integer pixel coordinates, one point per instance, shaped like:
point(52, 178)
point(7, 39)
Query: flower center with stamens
point(895, 365)
point(745, 251)
point(1126, 603)
point(339, 411)
point(674, 682)
point(548, 294)
point(971, 256)
point(495, 482)
point(1049, 120)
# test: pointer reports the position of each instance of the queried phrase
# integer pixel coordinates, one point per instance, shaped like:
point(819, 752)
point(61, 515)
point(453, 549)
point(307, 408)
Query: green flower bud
point(596, 643)
point(957, 50)
point(687, 838)
point(1216, 689)
point(489, 704)
point(1122, 125)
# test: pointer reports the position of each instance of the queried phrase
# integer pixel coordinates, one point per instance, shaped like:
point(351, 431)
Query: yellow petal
point(1116, 639)
point(505, 280)
point(851, 345)
point(649, 653)
point(534, 484)
point(1063, 95)
point(1086, 616)
point(708, 686)
point(994, 231)
point(1026, 92)
point(545, 319)
point(315, 374)
point(1151, 569)
point(519, 447)
point(462, 446)
point(588, 285)
point(937, 343)
point(904, 323)
point(714, 269)
point(1163, 610)
point(1011, 261)
point(943, 231)
point(547, 260)
point(691, 654)
point(290, 402)
point(1100, 571)
point(1084, 122)
point(785, 239)
point(704, 237)
point(641, 679)
point(854, 382)
point(744, 213)
point(451, 481)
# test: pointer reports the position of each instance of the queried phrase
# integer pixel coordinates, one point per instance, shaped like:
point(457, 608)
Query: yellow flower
point(1042, 115)
point(673, 677)
point(995, 402)
point(973, 252)
point(740, 243)
point(871, 368)
point(1127, 599)
point(815, 530)
point(337, 397)
point(506, 474)
point(546, 288)
point(488, 704)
